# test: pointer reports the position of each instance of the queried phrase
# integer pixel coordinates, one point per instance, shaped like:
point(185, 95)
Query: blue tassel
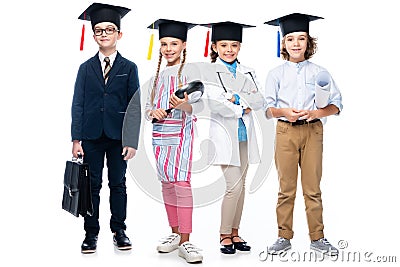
point(278, 47)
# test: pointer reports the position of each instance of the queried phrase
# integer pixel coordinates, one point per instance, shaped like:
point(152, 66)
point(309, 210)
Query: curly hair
point(310, 51)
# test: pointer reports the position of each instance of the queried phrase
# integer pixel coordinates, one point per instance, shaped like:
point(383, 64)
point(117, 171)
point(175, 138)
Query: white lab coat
point(224, 115)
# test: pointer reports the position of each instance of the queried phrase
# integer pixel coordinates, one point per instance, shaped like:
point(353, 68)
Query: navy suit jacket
point(97, 107)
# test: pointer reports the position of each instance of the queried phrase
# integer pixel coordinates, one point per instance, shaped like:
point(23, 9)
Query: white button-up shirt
point(292, 85)
point(111, 57)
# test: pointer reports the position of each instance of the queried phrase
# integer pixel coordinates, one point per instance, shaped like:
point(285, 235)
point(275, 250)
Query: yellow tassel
point(150, 46)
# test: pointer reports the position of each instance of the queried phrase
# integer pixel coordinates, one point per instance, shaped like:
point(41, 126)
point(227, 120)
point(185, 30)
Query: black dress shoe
point(242, 246)
point(227, 249)
point(121, 241)
point(89, 245)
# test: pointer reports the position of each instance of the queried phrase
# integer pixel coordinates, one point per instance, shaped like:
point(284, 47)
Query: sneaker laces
point(324, 241)
point(169, 239)
point(280, 240)
point(189, 247)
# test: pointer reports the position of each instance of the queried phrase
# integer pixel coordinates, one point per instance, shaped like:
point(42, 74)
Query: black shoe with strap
point(121, 241)
point(89, 245)
point(227, 249)
point(242, 245)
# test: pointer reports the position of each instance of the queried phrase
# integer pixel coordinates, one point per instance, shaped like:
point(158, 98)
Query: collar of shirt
point(112, 59)
point(297, 65)
point(230, 66)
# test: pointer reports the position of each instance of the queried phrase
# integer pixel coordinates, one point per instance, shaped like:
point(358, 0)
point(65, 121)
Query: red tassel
point(82, 37)
point(207, 44)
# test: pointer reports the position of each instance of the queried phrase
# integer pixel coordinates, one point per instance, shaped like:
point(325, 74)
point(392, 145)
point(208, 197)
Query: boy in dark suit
point(104, 86)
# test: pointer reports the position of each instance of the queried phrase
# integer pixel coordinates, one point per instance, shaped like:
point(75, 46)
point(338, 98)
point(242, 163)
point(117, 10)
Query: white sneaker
point(169, 243)
point(190, 252)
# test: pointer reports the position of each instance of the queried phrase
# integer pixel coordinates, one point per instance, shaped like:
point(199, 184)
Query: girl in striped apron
point(173, 138)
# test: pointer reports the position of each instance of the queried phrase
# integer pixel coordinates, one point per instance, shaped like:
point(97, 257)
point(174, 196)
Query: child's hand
point(293, 114)
point(77, 149)
point(128, 152)
point(310, 115)
point(247, 110)
point(175, 101)
point(158, 114)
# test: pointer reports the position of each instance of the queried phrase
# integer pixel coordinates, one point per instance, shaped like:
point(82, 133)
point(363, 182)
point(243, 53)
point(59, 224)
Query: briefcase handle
point(79, 159)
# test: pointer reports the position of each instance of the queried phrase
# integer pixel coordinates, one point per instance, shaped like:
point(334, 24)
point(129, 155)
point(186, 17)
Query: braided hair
point(181, 67)
point(153, 91)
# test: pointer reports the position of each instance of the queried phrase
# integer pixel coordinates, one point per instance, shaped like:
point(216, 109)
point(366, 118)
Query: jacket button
point(102, 109)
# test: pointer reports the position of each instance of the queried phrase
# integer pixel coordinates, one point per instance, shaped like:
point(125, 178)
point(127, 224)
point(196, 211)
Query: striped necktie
point(107, 68)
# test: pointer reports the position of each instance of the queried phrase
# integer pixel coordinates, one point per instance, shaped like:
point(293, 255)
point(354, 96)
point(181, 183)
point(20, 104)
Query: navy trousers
point(95, 153)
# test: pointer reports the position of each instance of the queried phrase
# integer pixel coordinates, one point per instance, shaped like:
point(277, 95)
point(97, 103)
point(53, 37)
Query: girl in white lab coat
point(232, 128)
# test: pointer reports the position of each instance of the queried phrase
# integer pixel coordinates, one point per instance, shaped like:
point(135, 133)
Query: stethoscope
point(223, 86)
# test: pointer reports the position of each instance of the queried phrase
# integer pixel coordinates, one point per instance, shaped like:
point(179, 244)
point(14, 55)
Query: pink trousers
point(178, 203)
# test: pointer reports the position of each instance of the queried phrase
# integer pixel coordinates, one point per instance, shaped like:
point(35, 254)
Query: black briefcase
point(77, 195)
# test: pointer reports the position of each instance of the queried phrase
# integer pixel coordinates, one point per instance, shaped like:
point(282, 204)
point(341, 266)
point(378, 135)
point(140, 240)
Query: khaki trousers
point(299, 146)
point(232, 204)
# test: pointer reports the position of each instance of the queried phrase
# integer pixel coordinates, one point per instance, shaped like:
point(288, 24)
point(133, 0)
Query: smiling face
point(107, 42)
point(227, 50)
point(171, 49)
point(295, 44)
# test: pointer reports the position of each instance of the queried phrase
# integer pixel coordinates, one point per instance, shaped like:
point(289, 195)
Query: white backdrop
point(40, 58)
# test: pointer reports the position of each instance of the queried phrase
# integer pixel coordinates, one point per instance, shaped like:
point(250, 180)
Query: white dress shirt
point(292, 85)
point(111, 57)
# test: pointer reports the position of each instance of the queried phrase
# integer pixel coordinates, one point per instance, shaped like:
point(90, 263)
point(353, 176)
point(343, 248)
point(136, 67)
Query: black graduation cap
point(98, 12)
point(171, 28)
point(295, 22)
point(226, 30)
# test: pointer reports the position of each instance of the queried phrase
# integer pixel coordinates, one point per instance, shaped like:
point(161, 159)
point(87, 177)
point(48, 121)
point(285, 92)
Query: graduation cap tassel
point(83, 33)
point(150, 46)
point(82, 37)
point(278, 47)
point(207, 44)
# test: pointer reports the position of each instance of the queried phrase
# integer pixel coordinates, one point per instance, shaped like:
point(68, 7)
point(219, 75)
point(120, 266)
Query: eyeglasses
point(108, 31)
